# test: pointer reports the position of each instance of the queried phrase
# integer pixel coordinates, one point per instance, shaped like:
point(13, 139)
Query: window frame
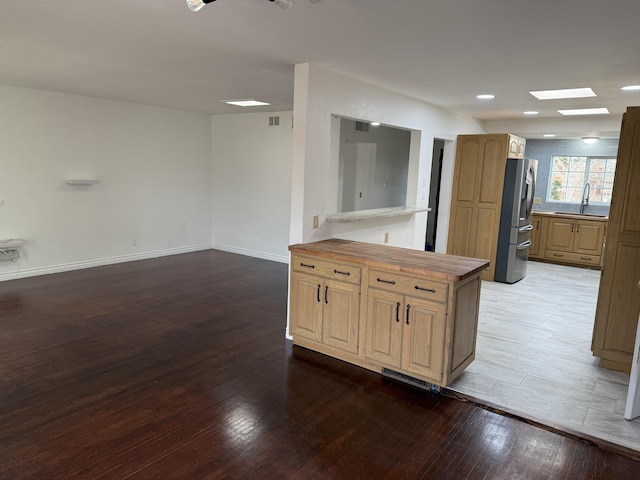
point(588, 161)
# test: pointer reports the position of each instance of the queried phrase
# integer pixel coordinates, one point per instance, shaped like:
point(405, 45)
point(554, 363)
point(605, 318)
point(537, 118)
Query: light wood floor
point(534, 359)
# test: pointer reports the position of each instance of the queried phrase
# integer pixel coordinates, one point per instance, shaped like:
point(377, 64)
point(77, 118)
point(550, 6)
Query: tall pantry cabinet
point(477, 194)
point(619, 294)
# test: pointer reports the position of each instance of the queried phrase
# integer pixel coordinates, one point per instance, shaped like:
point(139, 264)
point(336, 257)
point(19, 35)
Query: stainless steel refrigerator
point(514, 237)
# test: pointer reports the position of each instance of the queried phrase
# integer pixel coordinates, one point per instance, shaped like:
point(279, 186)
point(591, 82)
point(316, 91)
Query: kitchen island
point(409, 314)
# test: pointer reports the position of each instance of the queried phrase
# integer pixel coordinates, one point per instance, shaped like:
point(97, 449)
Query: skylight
point(585, 111)
point(565, 93)
point(249, 102)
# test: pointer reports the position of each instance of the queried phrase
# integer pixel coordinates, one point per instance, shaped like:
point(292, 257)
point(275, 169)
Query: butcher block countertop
point(437, 265)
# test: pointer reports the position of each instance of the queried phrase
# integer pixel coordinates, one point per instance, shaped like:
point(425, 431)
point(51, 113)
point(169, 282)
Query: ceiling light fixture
point(375, 124)
point(248, 102)
point(565, 93)
point(530, 112)
point(631, 88)
point(197, 5)
point(585, 111)
point(549, 135)
point(485, 96)
point(590, 140)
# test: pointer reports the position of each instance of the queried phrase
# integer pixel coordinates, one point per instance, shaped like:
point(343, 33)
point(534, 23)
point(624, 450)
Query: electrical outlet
point(316, 221)
point(537, 201)
point(386, 237)
point(134, 242)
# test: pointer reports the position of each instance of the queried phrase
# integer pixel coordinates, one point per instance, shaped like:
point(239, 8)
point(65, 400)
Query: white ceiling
point(444, 52)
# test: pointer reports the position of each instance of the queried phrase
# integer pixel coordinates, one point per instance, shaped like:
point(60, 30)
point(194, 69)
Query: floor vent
point(274, 121)
point(416, 382)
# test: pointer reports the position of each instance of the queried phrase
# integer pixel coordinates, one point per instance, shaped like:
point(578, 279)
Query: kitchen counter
point(574, 215)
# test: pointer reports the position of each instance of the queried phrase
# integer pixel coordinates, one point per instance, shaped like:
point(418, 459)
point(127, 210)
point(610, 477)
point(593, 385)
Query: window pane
point(578, 164)
point(576, 179)
point(569, 175)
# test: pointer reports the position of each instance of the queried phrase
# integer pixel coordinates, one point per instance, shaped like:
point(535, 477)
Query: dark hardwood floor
point(177, 368)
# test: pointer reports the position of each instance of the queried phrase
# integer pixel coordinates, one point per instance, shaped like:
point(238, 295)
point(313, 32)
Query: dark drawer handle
point(307, 266)
point(558, 255)
point(342, 273)
point(319, 286)
point(390, 282)
point(398, 311)
point(432, 290)
point(588, 259)
point(408, 308)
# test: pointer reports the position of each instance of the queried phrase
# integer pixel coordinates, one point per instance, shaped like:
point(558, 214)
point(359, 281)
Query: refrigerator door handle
point(526, 228)
point(524, 245)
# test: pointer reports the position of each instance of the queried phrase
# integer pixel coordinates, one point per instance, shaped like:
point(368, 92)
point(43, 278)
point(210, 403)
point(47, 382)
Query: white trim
point(101, 262)
point(251, 253)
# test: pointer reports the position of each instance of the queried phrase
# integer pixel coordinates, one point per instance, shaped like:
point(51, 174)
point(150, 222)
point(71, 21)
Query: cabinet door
point(306, 306)
point(589, 237)
point(534, 248)
point(384, 327)
point(340, 315)
point(560, 236)
point(423, 338)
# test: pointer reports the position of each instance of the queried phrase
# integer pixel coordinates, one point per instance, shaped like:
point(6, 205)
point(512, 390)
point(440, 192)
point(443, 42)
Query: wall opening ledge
point(359, 215)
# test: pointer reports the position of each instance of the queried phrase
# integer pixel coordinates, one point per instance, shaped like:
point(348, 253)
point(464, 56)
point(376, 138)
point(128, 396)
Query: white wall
point(154, 167)
point(318, 94)
point(252, 184)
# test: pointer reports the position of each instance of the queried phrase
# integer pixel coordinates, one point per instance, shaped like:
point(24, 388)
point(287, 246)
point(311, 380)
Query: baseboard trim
point(67, 267)
point(251, 253)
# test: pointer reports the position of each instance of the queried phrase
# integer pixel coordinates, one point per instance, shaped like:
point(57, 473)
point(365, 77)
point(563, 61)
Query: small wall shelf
point(347, 217)
point(82, 181)
point(9, 249)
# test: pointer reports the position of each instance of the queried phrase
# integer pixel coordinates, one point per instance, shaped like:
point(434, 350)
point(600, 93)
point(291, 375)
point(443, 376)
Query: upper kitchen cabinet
point(619, 295)
point(477, 194)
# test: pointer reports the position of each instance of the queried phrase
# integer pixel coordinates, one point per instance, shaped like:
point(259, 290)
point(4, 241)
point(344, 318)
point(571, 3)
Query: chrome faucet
point(585, 197)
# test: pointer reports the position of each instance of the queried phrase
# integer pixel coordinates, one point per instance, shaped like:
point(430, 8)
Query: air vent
point(274, 121)
point(362, 126)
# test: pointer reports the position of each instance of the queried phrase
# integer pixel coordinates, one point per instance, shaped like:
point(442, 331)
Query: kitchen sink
point(580, 214)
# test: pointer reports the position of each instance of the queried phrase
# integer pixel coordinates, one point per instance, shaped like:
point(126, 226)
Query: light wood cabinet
point(536, 249)
point(406, 313)
point(477, 194)
point(618, 303)
point(575, 241)
point(404, 330)
point(328, 302)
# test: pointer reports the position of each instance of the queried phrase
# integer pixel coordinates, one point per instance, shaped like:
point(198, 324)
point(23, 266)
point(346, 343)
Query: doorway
point(434, 194)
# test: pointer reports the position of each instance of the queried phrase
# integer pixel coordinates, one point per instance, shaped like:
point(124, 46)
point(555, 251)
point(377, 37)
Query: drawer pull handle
point(306, 265)
point(342, 273)
point(588, 259)
point(326, 291)
point(432, 290)
point(558, 255)
point(398, 310)
point(408, 308)
point(390, 282)
point(319, 286)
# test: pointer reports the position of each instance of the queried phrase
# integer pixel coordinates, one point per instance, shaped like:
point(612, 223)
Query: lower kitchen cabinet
point(568, 239)
point(406, 333)
point(387, 309)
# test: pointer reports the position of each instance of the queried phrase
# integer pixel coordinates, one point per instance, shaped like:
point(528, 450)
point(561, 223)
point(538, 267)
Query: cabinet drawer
point(580, 258)
point(326, 268)
point(408, 285)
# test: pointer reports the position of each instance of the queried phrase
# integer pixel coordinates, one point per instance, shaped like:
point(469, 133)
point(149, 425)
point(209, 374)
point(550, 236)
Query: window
point(569, 175)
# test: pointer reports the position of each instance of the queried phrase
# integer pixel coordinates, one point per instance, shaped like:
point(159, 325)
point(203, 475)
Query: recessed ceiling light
point(549, 135)
point(531, 112)
point(584, 111)
point(486, 96)
point(375, 124)
point(630, 88)
point(565, 93)
point(248, 102)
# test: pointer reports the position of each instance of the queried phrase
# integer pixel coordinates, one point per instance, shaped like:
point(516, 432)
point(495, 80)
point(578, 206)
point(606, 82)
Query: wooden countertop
point(584, 216)
point(438, 265)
